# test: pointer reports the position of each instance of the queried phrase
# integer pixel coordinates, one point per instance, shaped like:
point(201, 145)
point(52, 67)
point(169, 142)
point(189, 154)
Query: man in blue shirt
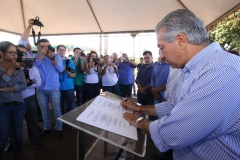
point(66, 81)
point(202, 119)
point(125, 70)
point(140, 64)
point(159, 79)
point(49, 65)
point(143, 80)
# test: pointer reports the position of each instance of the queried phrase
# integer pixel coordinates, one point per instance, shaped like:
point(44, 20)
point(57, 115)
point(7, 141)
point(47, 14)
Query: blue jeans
point(79, 94)
point(67, 96)
point(43, 96)
point(12, 117)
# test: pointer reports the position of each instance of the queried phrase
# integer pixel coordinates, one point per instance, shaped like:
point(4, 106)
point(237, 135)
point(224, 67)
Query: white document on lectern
point(107, 114)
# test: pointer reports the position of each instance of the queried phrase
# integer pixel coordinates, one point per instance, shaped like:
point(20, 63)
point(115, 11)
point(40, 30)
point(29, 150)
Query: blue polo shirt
point(66, 82)
point(159, 76)
point(125, 70)
point(49, 73)
point(144, 76)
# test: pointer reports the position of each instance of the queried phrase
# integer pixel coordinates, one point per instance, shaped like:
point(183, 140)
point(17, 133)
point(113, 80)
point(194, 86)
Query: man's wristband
point(140, 110)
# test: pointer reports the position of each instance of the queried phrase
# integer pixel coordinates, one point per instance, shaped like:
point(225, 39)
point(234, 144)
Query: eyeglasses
point(12, 53)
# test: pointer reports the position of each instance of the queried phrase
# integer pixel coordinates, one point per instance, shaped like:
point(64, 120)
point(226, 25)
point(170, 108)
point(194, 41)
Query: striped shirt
point(203, 119)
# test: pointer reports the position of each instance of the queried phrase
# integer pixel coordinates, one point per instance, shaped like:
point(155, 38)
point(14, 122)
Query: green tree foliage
point(227, 32)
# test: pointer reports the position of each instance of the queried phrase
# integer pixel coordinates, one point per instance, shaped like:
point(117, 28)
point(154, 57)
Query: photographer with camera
point(33, 80)
point(24, 39)
point(126, 79)
point(49, 65)
point(12, 106)
point(93, 69)
point(109, 76)
point(78, 80)
point(66, 81)
point(25, 42)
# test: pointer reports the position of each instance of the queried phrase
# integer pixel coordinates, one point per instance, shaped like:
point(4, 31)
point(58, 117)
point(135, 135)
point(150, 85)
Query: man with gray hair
point(115, 58)
point(202, 119)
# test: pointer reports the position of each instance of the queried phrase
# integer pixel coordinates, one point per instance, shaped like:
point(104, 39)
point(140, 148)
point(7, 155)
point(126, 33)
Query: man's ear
point(181, 40)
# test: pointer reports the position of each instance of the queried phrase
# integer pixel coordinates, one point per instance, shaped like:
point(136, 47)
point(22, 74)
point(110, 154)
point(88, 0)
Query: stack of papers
point(107, 114)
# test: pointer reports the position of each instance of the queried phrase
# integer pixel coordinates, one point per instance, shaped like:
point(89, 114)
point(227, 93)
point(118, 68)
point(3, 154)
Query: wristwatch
point(138, 120)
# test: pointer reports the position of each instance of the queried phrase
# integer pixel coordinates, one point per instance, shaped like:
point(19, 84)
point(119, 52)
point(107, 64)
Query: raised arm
point(26, 33)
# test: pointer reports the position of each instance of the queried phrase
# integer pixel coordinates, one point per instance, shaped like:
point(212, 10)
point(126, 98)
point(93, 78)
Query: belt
point(10, 103)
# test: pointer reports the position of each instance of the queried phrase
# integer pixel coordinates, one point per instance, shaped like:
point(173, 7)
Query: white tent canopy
point(103, 16)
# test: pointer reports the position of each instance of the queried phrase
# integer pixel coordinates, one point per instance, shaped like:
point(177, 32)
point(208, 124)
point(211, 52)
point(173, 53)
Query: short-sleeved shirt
point(79, 79)
point(144, 76)
point(159, 76)
point(66, 82)
point(125, 70)
point(139, 65)
point(110, 77)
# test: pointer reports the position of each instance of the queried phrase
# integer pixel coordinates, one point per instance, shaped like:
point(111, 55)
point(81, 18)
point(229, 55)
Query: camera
point(69, 69)
point(20, 54)
point(82, 54)
point(123, 58)
point(50, 48)
point(28, 63)
point(27, 76)
point(36, 22)
point(96, 60)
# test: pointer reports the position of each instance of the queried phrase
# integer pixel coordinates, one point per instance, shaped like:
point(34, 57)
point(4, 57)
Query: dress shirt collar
point(202, 57)
point(152, 65)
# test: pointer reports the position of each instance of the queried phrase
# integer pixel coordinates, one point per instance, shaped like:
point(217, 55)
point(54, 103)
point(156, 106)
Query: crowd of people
point(191, 94)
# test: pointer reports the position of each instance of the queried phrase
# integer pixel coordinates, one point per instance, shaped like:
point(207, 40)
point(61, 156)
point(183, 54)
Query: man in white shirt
point(33, 81)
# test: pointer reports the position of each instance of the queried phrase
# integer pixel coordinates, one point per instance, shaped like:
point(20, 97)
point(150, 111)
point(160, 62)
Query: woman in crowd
point(93, 69)
point(109, 76)
point(12, 106)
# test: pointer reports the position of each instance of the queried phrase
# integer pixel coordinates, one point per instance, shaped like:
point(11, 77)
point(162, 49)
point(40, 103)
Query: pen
point(128, 109)
point(126, 106)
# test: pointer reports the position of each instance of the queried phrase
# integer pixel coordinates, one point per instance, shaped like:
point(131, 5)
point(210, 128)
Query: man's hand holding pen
point(129, 104)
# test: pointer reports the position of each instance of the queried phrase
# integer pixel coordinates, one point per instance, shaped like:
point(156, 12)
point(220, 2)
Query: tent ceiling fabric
point(77, 16)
